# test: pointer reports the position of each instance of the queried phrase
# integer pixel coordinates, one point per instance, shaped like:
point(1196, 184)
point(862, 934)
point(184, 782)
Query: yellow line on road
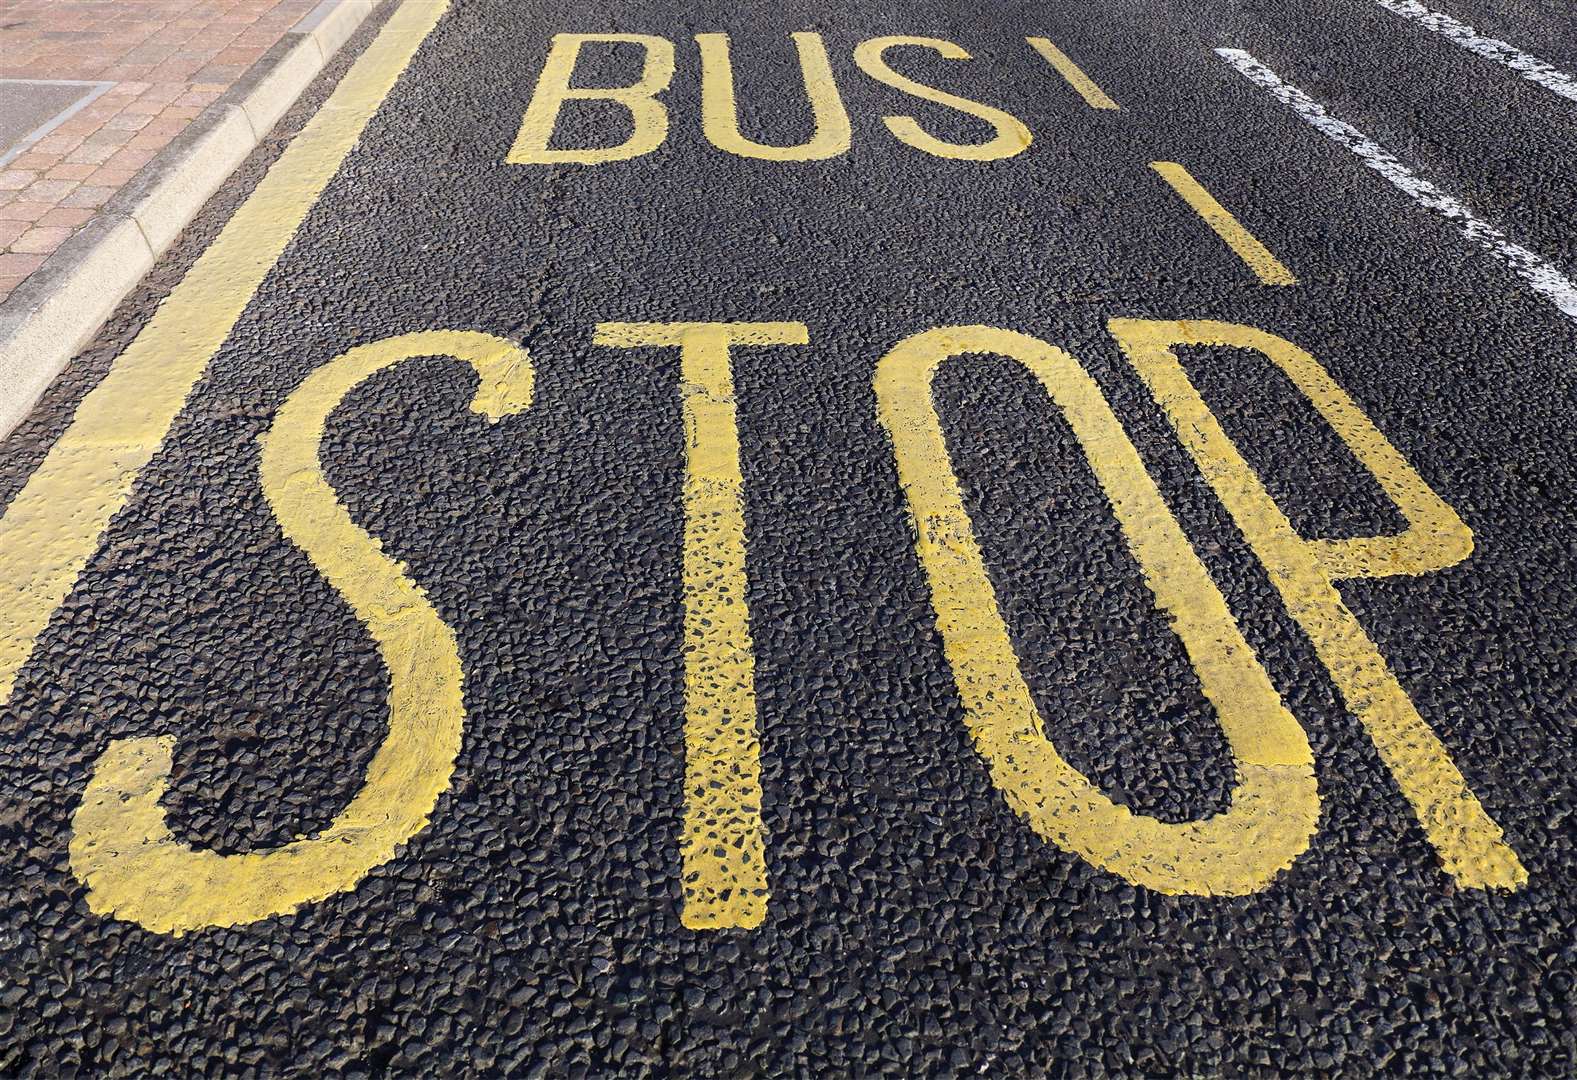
point(1011, 137)
point(1304, 571)
point(720, 110)
point(121, 845)
point(1070, 71)
point(1266, 266)
point(723, 848)
point(55, 524)
point(1275, 805)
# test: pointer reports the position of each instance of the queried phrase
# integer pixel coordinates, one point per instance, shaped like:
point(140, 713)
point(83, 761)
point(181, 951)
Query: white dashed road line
point(1529, 67)
point(1545, 278)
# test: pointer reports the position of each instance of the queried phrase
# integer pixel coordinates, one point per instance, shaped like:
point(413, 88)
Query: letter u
point(720, 113)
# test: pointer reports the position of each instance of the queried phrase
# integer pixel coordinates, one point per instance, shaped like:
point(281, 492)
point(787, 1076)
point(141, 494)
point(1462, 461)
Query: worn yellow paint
point(1092, 94)
point(121, 846)
point(647, 114)
point(720, 112)
point(1256, 255)
point(723, 847)
point(1275, 804)
point(55, 523)
point(1011, 137)
point(1469, 842)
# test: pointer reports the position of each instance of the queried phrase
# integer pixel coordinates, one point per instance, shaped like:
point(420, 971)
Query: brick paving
point(167, 60)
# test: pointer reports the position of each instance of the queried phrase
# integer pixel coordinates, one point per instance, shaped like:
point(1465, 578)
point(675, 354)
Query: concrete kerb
point(62, 304)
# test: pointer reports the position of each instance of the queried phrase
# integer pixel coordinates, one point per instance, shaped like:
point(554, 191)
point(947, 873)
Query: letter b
point(648, 115)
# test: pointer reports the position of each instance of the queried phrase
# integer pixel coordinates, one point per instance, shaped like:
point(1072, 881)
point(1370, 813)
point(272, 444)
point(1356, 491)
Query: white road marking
point(1529, 67)
point(1544, 277)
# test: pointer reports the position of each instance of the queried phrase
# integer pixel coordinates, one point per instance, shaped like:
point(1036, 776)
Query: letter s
point(121, 845)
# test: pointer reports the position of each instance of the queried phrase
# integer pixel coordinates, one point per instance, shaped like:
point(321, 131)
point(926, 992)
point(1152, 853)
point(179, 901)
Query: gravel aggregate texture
point(916, 926)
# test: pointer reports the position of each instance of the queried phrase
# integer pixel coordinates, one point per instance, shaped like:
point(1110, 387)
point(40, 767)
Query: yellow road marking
point(1011, 138)
point(1468, 840)
point(1256, 255)
point(724, 846)
point(720, 113)
point(647, 115)
point(121, 847)
point(1275, 805)
point(55, 523)
point(1094, 95)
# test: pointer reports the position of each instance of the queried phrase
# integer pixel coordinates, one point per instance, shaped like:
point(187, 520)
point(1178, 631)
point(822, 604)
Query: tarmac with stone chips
point(915, 923)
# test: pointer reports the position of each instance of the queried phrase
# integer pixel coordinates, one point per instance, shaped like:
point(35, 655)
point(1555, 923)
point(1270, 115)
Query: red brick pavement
point(167, 60)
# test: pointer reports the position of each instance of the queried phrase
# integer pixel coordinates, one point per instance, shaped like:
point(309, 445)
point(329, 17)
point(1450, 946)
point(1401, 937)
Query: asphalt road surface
point(993, 539)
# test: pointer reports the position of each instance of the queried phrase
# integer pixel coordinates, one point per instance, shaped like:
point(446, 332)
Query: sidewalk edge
point(61, 305)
